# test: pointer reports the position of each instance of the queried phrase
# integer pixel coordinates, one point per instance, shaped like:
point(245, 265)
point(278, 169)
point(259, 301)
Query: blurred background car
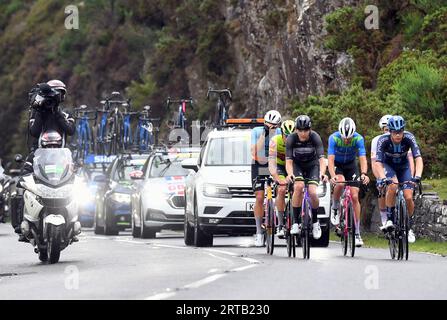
point(113, 212)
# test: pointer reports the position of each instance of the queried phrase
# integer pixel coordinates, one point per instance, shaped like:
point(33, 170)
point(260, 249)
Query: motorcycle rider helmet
point(60, 87)
point(346, 128)
point(273, 117)
point(51, 139)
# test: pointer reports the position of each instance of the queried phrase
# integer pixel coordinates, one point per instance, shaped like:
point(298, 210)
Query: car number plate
point(250, 206)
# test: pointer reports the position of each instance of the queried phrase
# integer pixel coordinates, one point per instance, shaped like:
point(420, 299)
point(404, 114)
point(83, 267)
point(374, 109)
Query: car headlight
point(321, 190)
point(121, 197)
point(216, 191)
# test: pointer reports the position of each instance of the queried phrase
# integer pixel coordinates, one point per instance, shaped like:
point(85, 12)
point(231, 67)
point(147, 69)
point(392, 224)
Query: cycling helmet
point(273, 117)
point(384, 121)
point(396, 123)
point(287, 127)
point(303, 122)
point(50, 139)
point(60, 87)
point(346, 128)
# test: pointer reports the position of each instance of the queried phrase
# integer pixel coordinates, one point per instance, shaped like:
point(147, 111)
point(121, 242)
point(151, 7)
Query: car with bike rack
point(158, 195)
point(113, 205)
point(219, 198)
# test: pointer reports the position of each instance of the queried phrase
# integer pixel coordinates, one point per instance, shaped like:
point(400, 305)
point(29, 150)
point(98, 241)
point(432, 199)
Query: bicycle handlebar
point(220, 92)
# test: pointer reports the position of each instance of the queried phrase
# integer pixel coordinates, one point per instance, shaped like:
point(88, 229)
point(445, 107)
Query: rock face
point(279, 53)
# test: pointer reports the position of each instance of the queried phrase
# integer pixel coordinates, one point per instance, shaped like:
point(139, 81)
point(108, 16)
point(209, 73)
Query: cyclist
point(305, 161)
point(260, 140)
point(383, 125)
point(343, 147)
point(277, 162)
point(393, 166)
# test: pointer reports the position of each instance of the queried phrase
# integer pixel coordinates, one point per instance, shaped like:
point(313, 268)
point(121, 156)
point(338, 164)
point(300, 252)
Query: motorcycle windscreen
point(53, 166)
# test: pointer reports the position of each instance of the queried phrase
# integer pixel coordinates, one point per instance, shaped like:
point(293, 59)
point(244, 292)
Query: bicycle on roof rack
point(180, 121)
point(146, 134)
point(223, 103)
point(84, 138)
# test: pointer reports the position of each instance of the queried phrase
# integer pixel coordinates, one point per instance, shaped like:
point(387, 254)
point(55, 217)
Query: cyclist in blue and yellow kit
point(343, 147)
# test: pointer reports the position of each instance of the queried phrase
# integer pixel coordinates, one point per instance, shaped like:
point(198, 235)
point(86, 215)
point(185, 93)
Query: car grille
point(241, 192)
point(239, 218)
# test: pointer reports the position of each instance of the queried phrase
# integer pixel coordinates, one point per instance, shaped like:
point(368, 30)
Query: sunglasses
point(303, 130)
point(397, 132)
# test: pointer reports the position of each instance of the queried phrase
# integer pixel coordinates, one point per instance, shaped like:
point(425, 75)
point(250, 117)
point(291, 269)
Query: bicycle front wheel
point(344, 236)
point(351, 230)
point(270, 230)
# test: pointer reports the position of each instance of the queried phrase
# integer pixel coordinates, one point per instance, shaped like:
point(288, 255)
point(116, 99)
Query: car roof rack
point(244, 123)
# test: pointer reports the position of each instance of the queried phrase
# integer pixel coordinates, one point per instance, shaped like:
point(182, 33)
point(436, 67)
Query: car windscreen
point(127, 168)
point(229, 151)
point(167, 168)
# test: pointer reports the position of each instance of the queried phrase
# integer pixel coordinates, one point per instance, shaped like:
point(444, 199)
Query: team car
point(158, 195)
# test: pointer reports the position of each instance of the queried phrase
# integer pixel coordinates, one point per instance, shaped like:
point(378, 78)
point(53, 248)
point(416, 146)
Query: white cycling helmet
point(273, 117)
point(384, 121)
point(347, 128)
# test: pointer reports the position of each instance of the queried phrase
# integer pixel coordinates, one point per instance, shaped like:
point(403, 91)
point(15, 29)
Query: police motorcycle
point(50, 212)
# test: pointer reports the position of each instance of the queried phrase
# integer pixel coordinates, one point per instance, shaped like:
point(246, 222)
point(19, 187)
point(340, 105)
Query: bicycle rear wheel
point(351, 230)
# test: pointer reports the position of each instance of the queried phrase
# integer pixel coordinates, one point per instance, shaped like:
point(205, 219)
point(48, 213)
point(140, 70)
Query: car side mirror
point(18, 158)
point(190, 163)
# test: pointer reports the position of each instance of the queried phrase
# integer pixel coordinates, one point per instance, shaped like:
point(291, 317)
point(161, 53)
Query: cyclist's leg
point(351, 172)
point(338, 189)
point(258, 189)
point(297, 198)
point(391, 192)
point(312, 174)
point(281, 195)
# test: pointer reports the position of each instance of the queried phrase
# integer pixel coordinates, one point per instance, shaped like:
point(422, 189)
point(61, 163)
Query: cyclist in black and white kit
point(304, 162)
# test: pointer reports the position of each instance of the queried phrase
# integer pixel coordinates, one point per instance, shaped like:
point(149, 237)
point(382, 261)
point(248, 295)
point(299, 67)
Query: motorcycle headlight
point(121, 197)
point(321, 190)
point(50, 193)
point(216, 191)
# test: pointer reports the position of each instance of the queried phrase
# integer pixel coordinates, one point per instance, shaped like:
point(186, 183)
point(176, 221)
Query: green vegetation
point(440, 186)
point(421, 245)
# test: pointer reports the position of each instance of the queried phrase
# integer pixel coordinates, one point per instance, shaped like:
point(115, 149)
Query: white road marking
point(167, 246)
point(223, 252)
point(222, 258)
point(210, 271)
point(202, 282)
point(161, 296)
point(244, 268)
point(251, 260)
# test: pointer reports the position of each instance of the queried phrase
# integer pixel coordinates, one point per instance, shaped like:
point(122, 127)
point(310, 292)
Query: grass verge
point(440, 186)
point(421, 245)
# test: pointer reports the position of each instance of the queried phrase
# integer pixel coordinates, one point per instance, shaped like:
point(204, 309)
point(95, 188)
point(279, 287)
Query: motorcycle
point(50, 213)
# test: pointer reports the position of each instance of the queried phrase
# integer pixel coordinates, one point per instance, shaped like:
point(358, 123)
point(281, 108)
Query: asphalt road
point(100, 267)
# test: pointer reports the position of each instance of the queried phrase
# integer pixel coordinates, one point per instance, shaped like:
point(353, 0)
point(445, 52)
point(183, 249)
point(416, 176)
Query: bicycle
point(146, 133)
point(223, 103)
point(398, 238)
point(268, 226)
point(306, 223)
point(181, 118)
point(288, 217)
point(85, 140)
point(347, 220)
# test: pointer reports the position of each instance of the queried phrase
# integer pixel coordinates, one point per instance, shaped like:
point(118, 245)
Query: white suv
point(219, 194)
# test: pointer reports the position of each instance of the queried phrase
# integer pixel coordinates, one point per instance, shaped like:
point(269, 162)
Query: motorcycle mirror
point(115, 93)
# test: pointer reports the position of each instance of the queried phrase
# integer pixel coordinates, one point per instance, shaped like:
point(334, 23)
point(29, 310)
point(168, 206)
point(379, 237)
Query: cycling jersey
point(374, 145)
point(396, 154)
point(277, 150)
point(256, 134)
point(345, 153)
point(306, 152)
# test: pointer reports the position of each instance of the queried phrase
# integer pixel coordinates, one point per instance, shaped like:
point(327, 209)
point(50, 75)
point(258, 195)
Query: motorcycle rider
point(46, 116)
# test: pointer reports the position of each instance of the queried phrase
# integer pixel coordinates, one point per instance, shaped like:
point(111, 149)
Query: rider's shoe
point(280, 232)
point(335, 217)
point(411, 236)
point(295, 228)
point(388, 226)
point(358, 241)
point(338, 231)
point(22, 238)
point(316, 230)
point(75, 239)
point(259, 241)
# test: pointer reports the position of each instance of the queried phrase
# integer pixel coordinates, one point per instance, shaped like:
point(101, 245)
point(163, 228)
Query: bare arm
point(331, 164)
point(419, 167)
